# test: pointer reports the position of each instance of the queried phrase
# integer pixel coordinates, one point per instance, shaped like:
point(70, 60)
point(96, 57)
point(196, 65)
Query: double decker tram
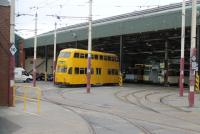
point(71, 68)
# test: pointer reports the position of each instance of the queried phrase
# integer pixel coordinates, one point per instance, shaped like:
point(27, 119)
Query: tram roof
point(154, 19)
point(85, 51)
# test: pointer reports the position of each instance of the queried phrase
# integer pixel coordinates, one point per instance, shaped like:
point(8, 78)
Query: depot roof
point(160, 18)
point(4, 3)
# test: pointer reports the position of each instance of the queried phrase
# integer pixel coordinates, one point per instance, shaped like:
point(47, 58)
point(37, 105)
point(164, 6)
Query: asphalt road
point(130, 109)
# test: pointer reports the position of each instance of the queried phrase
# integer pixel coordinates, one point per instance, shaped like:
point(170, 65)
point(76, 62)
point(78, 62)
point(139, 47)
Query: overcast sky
point(76, 8)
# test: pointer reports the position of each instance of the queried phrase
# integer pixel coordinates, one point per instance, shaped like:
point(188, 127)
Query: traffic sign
point(194, 58)
point(13, 49)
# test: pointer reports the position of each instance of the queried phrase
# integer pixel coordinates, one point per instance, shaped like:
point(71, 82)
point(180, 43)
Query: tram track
point(140, 127)
point(139, 103)
point(177, 108)
point(170, 106)
point(123, 116)
point(144, 130)
point(89, 125)
point(130, 119)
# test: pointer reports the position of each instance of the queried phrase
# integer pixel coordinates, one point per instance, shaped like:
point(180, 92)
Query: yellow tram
point(71, 68)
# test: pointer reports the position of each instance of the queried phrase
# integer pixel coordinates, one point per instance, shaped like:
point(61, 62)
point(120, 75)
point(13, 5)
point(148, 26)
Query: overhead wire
point(61, 6)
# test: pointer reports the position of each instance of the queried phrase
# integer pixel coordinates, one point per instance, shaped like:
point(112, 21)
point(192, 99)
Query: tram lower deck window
point(82, 71)
point(76, 70)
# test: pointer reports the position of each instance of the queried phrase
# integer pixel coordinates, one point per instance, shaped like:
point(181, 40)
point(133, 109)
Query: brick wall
point(4, 52)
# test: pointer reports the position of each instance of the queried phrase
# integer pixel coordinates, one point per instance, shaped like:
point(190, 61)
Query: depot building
point(147, 42)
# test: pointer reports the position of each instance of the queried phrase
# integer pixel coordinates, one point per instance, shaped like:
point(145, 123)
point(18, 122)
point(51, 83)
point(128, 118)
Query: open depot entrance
point(151, 56)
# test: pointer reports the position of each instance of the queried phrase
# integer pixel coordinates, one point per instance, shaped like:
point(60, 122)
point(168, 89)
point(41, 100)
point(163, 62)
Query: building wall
point(40, 65)
point(20, 54)
point(4, 54)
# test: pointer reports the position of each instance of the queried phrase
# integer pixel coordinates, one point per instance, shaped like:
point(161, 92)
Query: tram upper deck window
point(64, 55)
point(70, 70)
point(82, 55)
point(109, 58)
point(61, 69)
point(96, 57)
point(76, 55)
point(101, 57)
point(92, 56)
point(112, 58)
point(86, 56)
point(105, 58)
point(117, 60)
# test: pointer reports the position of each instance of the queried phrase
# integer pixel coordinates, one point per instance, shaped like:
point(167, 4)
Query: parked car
point(50, 77)
point(40, 77)
point(21, 75)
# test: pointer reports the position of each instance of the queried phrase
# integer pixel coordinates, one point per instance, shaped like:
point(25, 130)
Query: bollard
point(25, 98)
point(197, 83)
point(120, 80)
point(38, 99)
point(45, 76)
point(14, 95)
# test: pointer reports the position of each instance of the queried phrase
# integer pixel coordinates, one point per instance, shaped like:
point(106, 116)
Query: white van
point(21, 75)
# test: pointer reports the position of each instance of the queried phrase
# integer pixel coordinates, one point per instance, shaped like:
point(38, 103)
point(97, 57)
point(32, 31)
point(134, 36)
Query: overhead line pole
point(12, 56)
point(35, 51)
point(193, 63)
point(182, 59)
point(54, 52)
point(89, 48)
